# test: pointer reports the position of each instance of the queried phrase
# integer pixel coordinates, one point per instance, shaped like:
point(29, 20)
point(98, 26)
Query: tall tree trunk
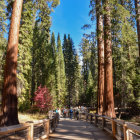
point(100, 42)
point(137, 6)
point(109, 99)
point(9, 95)
point(33, 81)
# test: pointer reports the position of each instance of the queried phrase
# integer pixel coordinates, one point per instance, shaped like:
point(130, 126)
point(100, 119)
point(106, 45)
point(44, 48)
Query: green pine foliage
point(124, 53)
point(54, 71)
point(69, 59)
point(24, 55)
point(85, 50)
point(77, 81)
point(36, 58)
point(62, 92)
point(89, 72)
point(3, 41)
point(39, 57)
point(3, 18)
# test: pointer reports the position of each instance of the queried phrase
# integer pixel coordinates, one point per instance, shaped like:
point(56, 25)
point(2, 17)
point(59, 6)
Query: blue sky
point(69, 17)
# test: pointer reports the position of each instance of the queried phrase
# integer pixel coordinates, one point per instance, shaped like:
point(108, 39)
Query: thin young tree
point(100, 43)
point(61, 73)
point(109, 98)
point(137, 7)
point(9, 95)
point(69, 54)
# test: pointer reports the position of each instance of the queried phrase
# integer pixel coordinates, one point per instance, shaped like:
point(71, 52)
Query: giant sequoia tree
point(9, 95)
point(100, 43)
point(109, 99)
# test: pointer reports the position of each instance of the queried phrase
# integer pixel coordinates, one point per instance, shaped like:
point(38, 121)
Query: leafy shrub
point(43, 99)
point(24, 102)
point(33, 109)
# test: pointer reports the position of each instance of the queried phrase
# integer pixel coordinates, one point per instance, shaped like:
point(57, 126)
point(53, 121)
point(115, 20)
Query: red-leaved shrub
point(43, 99)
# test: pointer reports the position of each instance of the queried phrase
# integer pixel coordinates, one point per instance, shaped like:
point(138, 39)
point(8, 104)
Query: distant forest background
point(44, 59)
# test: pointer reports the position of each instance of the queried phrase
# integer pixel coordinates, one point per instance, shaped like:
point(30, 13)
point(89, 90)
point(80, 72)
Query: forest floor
point(134, 120)
point(24, 117)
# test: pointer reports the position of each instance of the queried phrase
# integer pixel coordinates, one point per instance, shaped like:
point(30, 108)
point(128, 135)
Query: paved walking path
point(78, 130)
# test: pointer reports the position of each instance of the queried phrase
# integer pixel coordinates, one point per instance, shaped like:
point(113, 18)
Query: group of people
point(72, 112)
point(65, 112)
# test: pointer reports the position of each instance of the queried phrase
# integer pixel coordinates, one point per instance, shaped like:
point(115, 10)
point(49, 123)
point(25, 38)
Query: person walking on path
point(77, 114)
point(59, 112)
point(56, 110)
point(71, 113)
point(50, 114)
point(64, 113)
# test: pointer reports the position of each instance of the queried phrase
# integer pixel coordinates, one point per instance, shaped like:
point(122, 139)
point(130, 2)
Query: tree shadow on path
point(78, 130)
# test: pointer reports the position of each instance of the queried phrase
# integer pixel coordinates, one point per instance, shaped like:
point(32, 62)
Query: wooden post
point(54, 124)
point(47, 128)
point(58, 118)
point(125, 131)
point(103, 122)
point(86, 117)
point(90, 118)
point(51, 125)
point(55, 120)
point(96, 120)
point(113, 128)
point(31, 132)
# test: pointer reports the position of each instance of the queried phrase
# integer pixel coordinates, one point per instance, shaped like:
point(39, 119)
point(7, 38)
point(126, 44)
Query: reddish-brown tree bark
point(100, 43)
point(9, 95)
point(137, 7)
point(108, 98)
